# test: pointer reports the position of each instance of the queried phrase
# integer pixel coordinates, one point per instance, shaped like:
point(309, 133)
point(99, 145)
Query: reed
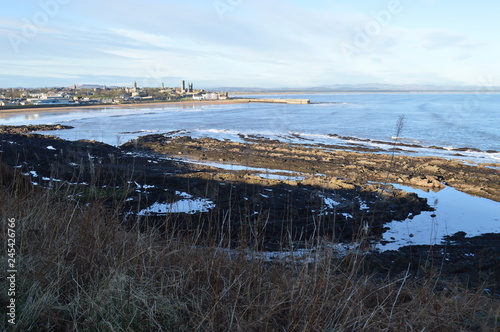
point(79, 269)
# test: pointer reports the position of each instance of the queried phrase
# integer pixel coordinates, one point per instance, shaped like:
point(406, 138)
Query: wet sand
point(6, 113)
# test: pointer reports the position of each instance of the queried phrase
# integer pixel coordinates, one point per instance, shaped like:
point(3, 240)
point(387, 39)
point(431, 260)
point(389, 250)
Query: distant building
point(52, 100)
point(211, 96)
point(8, 103)
point(134, 90)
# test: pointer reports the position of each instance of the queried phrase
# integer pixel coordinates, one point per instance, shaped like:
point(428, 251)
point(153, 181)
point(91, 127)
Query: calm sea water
point(447, 120)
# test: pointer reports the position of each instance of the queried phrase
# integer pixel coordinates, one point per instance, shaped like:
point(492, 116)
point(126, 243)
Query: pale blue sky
point(247, 43)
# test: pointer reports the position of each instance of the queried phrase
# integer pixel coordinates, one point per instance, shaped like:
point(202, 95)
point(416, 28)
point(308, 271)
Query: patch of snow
point(309, 255)
point(183, 194)
point(330, 203)
point(51, 179)
point(189, 206)
point(362, 204)
point(32, 173)
point(271, 176)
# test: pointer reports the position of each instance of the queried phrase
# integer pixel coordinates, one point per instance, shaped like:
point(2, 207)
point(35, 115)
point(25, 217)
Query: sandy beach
point(5, 113)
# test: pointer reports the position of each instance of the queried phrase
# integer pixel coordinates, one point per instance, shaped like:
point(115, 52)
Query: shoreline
point(5, 113)
point(237, 100)
point(361, 92)
point(262, 182)
point(349, 168)
point(400, 147)
point(128, 215)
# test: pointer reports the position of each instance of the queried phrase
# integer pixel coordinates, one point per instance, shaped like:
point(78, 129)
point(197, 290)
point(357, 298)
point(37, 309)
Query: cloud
point(463, 56)
point(143, 38)
point(279, 42)
point(440, 39)
point(10, 24)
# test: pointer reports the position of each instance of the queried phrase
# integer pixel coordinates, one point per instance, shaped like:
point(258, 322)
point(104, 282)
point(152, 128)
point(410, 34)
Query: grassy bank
point(78, 269)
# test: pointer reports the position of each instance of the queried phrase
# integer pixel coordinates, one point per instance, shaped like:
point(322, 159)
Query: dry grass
point(80, 270)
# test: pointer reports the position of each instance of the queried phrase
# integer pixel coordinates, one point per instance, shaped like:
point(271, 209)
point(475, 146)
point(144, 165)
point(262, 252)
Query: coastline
point(337, 195)
point(332, 167)
point(35, 109)
point(349, 166)
point(349, 143)
point(5, 113)
point(86, 207)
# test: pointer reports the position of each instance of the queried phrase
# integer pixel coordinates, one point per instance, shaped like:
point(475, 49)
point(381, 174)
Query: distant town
point(85, 94)
point(99, 95)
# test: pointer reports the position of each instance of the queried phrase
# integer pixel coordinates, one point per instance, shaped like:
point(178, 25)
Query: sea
point(450, 125)
point(464, 126)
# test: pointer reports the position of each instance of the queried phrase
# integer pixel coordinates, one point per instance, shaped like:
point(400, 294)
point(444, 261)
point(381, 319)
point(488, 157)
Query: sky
point(249, 43)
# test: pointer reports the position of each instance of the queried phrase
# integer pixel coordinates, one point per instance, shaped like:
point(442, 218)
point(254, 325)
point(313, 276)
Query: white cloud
point(439, 39)
point(271, 43)
point(144, 38)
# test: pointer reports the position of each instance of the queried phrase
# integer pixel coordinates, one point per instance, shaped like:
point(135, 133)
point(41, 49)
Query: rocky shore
point(31, 128)
point(284, 196)
point(343, 169)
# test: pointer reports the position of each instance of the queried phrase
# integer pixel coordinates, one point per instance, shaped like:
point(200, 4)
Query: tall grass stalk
point(80, 270)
